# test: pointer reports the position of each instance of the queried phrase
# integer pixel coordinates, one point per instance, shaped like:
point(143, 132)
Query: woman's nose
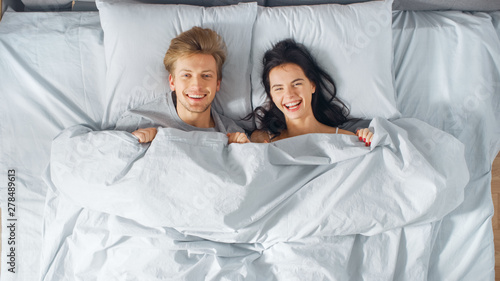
point(289, 92)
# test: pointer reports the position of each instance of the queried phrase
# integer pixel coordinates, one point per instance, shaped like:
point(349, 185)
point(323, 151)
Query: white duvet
point(191, 207)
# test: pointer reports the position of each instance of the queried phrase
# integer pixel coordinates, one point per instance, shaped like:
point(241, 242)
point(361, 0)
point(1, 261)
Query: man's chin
point(197, 108)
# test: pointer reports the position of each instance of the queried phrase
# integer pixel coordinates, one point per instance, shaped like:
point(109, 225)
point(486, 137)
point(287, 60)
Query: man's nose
point(197, 81)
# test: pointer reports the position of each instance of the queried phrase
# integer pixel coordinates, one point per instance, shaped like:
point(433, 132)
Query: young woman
point(303, 98)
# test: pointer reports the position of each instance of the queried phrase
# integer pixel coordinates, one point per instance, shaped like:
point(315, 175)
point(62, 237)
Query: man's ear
point(171, 82)
point(218, 85)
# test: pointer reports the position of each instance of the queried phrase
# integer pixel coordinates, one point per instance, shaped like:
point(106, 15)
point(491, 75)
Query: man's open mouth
point(195, 96)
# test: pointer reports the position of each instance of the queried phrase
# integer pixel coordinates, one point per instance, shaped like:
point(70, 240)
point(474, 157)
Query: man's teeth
point(196, 96)
point(292, 104)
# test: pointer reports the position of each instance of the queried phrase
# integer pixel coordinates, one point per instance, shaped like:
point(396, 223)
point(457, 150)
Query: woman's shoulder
point(259, 136)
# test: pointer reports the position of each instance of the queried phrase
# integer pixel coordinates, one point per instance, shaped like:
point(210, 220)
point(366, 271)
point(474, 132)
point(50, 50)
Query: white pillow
point(448, 65)
point(137, 36)
point(353, 43)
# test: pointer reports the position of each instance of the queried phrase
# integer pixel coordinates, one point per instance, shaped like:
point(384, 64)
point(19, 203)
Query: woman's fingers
point(365, 135)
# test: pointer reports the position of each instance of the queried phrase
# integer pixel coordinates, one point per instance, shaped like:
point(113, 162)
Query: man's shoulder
point(158, 103)
point(145, 114)
point(229, 124)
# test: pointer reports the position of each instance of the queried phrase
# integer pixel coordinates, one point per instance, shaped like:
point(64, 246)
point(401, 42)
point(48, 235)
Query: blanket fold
point(316, 185)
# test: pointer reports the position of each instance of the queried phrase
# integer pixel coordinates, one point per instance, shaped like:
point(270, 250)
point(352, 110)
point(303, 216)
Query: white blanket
point(191, 207)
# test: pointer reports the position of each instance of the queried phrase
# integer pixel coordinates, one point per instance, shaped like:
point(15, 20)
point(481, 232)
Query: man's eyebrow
point(189, 70)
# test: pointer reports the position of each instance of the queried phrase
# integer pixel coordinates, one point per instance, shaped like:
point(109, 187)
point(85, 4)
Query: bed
point(81, 201)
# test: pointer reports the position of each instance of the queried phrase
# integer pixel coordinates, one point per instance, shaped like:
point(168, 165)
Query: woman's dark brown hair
point(327, 108)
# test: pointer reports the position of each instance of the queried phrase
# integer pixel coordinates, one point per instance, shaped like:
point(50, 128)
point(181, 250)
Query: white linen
point(51, 76)
point(248, 204)
point(495, 17)
point(447, 68)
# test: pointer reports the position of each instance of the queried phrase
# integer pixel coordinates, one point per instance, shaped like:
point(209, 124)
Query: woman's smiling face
point(291, 91)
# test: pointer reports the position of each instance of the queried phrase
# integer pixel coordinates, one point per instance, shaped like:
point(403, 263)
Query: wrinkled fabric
point(191, 207)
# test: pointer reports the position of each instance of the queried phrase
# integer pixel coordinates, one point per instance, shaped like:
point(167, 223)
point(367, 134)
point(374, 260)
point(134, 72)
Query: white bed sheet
point(231, 223)
point(454, 85)
point(37, 103)
point(51, 76)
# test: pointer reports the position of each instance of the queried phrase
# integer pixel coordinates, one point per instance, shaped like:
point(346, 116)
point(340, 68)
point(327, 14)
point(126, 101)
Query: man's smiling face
point(195, 83)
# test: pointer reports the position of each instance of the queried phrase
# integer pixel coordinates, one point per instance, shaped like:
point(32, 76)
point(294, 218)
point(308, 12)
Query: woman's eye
point(297, 84)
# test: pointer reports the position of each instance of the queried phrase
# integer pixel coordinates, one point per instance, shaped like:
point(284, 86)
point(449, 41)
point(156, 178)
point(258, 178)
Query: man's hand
point(145, 135)
point(237, 138)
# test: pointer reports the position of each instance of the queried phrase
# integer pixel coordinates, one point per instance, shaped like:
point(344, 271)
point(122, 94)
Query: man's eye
point(297, 84)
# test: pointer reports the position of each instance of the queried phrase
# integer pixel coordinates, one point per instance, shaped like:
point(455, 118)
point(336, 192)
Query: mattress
point(446, 72)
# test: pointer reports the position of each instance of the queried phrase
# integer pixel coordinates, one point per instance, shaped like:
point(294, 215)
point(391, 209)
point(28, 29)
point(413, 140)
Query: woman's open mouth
point(292, 105)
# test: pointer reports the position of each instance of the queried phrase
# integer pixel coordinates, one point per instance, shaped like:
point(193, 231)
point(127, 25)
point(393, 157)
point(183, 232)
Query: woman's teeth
point(292, 105)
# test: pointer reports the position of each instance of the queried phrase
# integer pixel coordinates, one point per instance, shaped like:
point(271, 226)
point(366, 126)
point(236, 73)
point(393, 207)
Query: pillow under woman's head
point(353, 43)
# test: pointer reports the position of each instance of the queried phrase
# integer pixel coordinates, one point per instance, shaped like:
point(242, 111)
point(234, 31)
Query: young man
point(194, 61)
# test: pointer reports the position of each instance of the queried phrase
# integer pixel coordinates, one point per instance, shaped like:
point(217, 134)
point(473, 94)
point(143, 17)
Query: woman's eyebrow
point(298, 79)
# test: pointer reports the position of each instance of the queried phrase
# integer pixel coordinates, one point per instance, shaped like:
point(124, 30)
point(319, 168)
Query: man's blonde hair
point(197, 40)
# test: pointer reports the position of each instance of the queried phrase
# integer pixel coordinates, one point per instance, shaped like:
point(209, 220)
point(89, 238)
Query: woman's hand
point(145, 135)
point(365, 135)
point(237, 138)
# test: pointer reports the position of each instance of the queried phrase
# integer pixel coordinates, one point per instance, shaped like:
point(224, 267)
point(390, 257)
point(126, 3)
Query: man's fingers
point(140, 135)
point(145, 135)
point(237, 137)
point(242, 138)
